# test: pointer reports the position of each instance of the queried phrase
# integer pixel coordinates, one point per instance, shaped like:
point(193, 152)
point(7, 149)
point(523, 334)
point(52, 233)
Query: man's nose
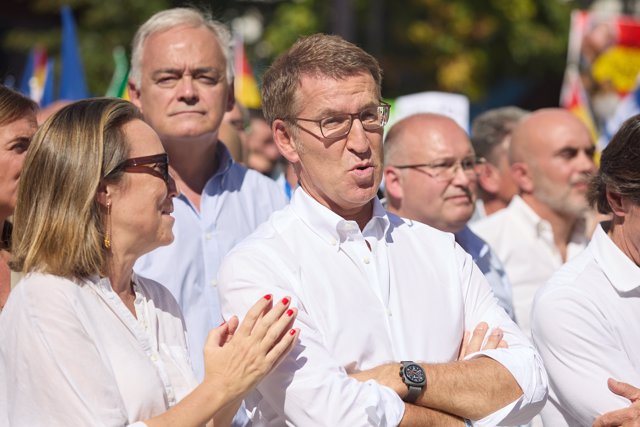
point(585, 162)
point(188, 91)
point(357, 138)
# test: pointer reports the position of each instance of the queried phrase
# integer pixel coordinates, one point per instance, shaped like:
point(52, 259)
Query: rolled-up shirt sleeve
point(521, 358)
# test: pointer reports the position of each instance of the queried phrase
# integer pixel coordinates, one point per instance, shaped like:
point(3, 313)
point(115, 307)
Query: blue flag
point(72, 82)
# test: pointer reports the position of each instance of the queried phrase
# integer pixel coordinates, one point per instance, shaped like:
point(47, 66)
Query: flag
point(37, 78)
point(118, 86)
point(72, 82)
point(574, 98)
point(245, 85)
point(628, 107)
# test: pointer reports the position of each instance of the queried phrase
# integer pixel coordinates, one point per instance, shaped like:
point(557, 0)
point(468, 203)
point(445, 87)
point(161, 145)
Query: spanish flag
point(245, 85)
point(37, 79)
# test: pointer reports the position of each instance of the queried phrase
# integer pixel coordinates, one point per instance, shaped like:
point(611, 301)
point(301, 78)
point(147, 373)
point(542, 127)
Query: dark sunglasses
point(156, 165)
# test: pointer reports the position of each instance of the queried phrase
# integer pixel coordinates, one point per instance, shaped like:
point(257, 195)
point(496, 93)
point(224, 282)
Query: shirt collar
point(331, 227)
point(224, 159)
point(621, 271)
point(542, 227)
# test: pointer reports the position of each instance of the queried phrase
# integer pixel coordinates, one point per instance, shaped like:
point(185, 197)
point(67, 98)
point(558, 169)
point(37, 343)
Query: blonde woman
point(83, 339)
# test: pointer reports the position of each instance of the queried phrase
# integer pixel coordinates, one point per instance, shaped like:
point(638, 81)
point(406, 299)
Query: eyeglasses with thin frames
point(446, 170)
point(339, 125)
point(156, 165)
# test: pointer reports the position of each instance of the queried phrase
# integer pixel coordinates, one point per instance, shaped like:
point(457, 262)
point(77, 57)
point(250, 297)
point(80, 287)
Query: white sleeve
point(521, 359)
point(52, 373)
point(308, 388)
point(579, 348)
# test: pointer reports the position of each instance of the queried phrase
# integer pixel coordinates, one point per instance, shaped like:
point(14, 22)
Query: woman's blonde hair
point(58, 222)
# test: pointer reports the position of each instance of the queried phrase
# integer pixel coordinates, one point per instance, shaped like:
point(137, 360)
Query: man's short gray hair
point(176, 17)
point(491, 127)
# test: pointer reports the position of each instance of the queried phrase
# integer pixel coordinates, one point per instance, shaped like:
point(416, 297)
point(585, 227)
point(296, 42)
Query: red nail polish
point(267, 297)
point(289, 312)
point(223, 322)
point(292, 332)
point(285, 301)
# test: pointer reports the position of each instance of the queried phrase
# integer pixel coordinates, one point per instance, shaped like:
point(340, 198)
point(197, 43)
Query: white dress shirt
point(524, 243)
point(359, 308)
point(234, 202)
point(490, 266)
point(586, 324)
point(72, 354)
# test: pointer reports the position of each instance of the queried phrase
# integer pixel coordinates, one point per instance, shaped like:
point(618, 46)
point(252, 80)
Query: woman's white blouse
point(72, 354)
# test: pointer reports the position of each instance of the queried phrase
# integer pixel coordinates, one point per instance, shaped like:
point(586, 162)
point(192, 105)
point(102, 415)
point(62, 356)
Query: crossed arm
point(461, 389)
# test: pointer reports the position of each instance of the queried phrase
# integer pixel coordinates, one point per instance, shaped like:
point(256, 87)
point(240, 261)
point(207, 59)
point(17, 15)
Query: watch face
point(414, 373)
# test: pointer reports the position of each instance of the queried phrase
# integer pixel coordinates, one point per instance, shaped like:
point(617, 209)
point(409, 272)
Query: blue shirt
point(235, 200)
point(490, 266)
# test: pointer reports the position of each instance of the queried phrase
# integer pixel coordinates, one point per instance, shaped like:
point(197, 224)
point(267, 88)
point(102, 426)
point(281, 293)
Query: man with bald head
point(551, 157)
point(430, 176)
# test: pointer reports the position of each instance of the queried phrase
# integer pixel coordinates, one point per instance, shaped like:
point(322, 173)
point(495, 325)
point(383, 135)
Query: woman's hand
point(237, 357)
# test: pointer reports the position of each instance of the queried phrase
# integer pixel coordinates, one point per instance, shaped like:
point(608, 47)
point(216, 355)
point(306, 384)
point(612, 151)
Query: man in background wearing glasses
point(383, 302)
point(551, 157)
point(430, 176)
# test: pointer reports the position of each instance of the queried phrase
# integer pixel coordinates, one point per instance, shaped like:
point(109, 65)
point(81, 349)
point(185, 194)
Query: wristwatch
point(414, 377)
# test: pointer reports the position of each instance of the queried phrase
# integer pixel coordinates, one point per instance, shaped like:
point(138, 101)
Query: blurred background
point(495, 52)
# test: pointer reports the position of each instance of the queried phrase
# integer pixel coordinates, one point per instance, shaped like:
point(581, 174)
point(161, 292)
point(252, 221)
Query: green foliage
point(290, 21)
point(463, 46)
point(101, 26)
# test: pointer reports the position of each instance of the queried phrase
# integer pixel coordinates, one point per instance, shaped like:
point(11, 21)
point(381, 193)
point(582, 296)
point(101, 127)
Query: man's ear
point(521, 173)
point(488, 178)
point(393, 186)
point(618, 204)
point(134, 94)
point(284, 141)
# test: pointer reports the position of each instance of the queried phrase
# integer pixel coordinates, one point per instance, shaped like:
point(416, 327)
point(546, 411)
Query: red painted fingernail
point(267, 297)
point(289, 312)
point(292, 332)
point(223, 322)
point(285, 301)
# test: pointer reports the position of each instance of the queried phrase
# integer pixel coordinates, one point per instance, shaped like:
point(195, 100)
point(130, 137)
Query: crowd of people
point(149, 277)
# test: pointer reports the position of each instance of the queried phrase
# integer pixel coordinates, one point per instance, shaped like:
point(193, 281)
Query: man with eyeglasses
point(383, 303)
point(551, 157)
point(182, 81)
point(430, 176)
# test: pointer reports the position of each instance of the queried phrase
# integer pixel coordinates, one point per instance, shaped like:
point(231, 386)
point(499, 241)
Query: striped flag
point(245, 85)
point(37, 78)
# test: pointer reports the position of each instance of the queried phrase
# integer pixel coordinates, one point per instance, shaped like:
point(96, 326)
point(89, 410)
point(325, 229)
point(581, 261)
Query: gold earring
point(107, 234)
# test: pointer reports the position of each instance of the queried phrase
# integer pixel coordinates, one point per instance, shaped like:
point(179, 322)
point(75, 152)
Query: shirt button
point(366, 260)
point(334, 242)
point(389, 313)
point(154, 357)
point(214, 283)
